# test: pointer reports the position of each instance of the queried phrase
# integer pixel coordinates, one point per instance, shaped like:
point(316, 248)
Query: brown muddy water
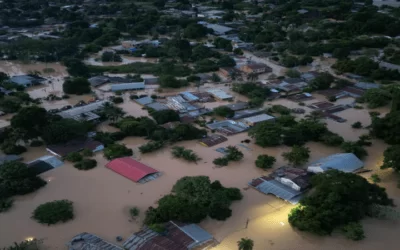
point(102, 198)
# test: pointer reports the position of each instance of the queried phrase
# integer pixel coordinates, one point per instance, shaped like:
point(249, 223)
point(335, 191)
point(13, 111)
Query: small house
point(345, 162)
point(63, 149)
point(128, 86)
point(256, 68)
point(254, 120)
point(27, 80)
point(220, 94)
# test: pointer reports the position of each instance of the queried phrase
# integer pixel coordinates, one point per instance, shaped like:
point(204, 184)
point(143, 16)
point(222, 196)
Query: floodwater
point(102, 198)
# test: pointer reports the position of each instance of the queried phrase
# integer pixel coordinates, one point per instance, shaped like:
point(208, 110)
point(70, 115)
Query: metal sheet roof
point(346, 162)
point(127, 86)
point(144, 101)
point(278, 189)
point(259, 118)
point(130, 168)
point(196, 233)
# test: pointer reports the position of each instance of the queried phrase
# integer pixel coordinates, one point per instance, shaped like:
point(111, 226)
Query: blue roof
point(144, 100)
point(346, 162)
point(279, 190)
point(127, 86)
point(25, 80)
point(189, 96)
point(196, 233)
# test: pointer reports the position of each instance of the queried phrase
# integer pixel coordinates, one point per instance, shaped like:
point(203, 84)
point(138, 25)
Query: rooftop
point(220, 94)
point(238, 106)
point(144, 100)
point(268, 185)
point(86, 241)
point(259, 118)
point(346, 162)
point(83, 112)
point(127, 86)
point(131, 169)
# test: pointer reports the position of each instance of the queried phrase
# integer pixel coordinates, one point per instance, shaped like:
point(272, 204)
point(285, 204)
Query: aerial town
point(201, 125)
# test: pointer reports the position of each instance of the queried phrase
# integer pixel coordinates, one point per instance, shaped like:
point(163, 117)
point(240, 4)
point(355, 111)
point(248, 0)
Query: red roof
point(130, 168)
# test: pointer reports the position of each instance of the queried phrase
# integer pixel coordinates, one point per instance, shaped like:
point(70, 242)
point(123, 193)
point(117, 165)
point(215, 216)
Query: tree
point(10, 104)
point(168, 81)
point(392, 158)
point(353, 231)
point(356, 125)
point(164, 116)
point(77, 86)
point(117, 150)
point(226, 61)
point(376, 98)
point(109, 56)
point(337, 199)
point(76, 68)
point(386, 128)
point(192, 200)
point(323, 81)
point(222, 43)
point(298, 156)
point(238, 51)
point(341, 53)
point(224, 111)
point(134, 212)
point(86, 164)
point(221, 161)
point(64, 130)
point(195, 31)
point(53, 212)
point(293, 73)
point(245, 244)
point(375, 178)
point(233, 153)
point(355, 148)
point(151, 146)
point(265, 161)
point(267, 134)
point(30, 121)
point(74, 157)
point(187, 154)
point(112, 112)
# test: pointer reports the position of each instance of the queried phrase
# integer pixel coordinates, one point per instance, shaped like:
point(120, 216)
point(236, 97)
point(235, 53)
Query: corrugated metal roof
point(144, 101)
point(259, 118)
point(196, 233)
point(189, 96)
point(345, 162)
point(220, 94)
point(278, 189)
point(86, 241)
point(127, 86)
point(130, 168)
point(76, 112)
point(157, 106)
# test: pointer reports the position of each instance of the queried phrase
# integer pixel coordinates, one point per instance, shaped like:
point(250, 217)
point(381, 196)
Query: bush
point(5, 205)
point(53, 212)
point(187, 154)
point(332, 98)
point(87, 152)
point(134, 212)
point(117, 150)
point(280, 109)
point(375, 178)
point(265, 161)
point(353, 231)
point(76, 86)
point(224, 111)
point(356, 125)
point(86, 164)
point(117, 99)
point(158, 228)
point(36, 143)
point(119, 92)
point(134, 97)
point(73, 157)
point(151, 146)
point(10, 148)
point(221, 161)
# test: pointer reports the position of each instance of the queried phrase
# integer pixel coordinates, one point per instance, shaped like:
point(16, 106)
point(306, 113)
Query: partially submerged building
point(87, 241)
point(127, 86)
point(133, 170)
point(9, 158)
point(287, 183)
point(345, 162)
point(228, 127)
point(219, 94)
point(83, 113)
point(177, 236)
point(254, 120)
point(27, 80)
point(63, 149)
point(212, 140)
point(44, 164)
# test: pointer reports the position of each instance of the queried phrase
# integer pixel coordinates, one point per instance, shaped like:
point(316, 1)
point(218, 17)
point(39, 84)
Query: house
point(84, 113)
point(291, 85)
point(144, 101)
point(353, 76)
point(63, 149)
point(254, 120)
point(133, 170)
point(296, 178)
point(390, 66)
point(268, 185)
point(219, 29)
point(96, 81)
point(8, 158)
point(177, 236)
point(157, 106)
point(309, 76)
point(86, 241)
point(346, 162)
point(247, 113)
point(229, 71)
point(255, 68)
point(228, 127)
point(212, 140)
point(189, 97)
point(367, 85)
point(219, 94)
point(44, 163)
point(238, 106)
point(27, 80)
point(127, 86)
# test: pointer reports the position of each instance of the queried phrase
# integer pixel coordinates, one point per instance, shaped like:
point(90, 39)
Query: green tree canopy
point(386, 128)
point(168, 81)
point(226, 61)
point(117, 150)
point(53, 212)
point(299, 155)
point(30, 121)
point(77, 86)
point(194, 198)
point(267, 134)
point(265, 161)
point(64, 130)
point(164, 116)
point(376, 98)
point(355, 148)
point(392, 158)
point(195, 31)
point(224, 111)
point(245, 244)
point(337, 199)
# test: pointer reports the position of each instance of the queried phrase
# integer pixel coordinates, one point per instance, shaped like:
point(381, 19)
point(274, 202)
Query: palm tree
point(245, 244)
